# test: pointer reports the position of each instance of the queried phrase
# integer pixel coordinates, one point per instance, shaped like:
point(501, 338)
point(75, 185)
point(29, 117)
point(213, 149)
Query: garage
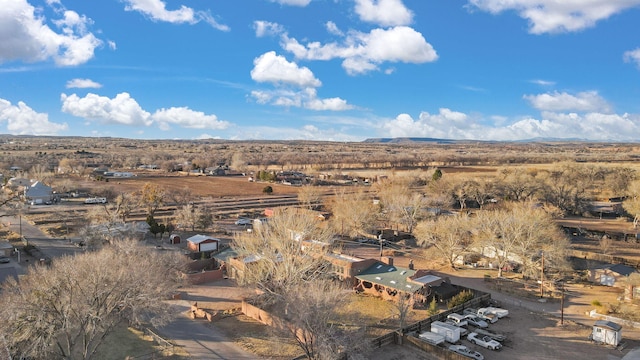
point(200, 243)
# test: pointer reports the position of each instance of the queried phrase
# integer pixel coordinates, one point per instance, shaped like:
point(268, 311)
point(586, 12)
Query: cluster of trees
point(66, 311)
point(296, 285)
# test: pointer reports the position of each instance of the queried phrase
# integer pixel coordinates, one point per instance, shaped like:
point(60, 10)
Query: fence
point(594, 314)
point(604, 258)
point(424, 325)
point(439, 352)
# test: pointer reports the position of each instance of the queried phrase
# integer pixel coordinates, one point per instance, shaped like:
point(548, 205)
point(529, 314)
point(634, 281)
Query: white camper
point(450, 332)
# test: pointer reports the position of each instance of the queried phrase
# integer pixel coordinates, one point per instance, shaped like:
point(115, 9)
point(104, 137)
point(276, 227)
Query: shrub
point(459, 299)
point(267, 190)
point(433, 307)
point(596, 303)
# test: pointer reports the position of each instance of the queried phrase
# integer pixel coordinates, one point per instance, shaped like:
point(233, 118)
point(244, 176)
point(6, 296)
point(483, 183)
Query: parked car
point(500, 313)
point(244, 221)
point(484, 341)
point(457, 319)
point(476, 321)
point(4, 260)
point(465, 351)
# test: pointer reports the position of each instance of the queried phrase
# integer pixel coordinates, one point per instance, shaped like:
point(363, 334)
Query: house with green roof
point(390, 282)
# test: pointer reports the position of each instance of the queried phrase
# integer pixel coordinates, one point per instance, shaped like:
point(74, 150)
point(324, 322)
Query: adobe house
point(389, 282)
point(611, 274)
point(199, 242)
point(346, 267)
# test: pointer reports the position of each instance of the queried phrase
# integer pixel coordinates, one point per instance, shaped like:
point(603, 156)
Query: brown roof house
point(390, 282)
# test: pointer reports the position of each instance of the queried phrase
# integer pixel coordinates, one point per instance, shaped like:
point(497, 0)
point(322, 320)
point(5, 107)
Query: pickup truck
point(484, 341)
point(492, 318)
point(500, 313)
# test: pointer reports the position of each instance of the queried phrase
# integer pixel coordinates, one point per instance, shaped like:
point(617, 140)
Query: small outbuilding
point(174, 239)
point(611, 274)
point(202, 243)
point(606, 332)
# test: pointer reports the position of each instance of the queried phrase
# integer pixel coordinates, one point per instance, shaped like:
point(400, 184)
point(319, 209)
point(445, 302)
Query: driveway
point(198, 339)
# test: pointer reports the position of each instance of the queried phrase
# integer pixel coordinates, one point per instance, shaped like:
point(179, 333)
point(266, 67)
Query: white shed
point(202, 243)
point(606, 332)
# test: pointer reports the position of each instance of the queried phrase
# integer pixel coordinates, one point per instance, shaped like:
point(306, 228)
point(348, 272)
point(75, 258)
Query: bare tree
point(283, 260)
point(354, 214)
point(65, 311)
point(401, 204)
point(188, 216)
point(41, 173)
point(124, 205)
point(522, 234)
point(517, 184)
point(181, 197)
point(294, 280)
point(450, 236)
point(632, 203)
point(310, 196)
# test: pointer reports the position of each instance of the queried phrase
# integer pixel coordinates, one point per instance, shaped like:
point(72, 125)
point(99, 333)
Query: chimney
point(388, 260)
point(411, 264)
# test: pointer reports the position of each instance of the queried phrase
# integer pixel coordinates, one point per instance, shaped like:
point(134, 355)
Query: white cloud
point(332, 28)
point(83, 84)
point(23, 120)
point(185, 117)
point(301, 3)
point(266, 28)
point(449, 124)
point(156, 10)
point(275, 69)
point(305, 132)
point(632, 56)
point(24, 35)
point(543, 82)
point(384, 12)
point(305, 98)
point(553, 16)
point(112, 45)
point(588, 101)
point(363, 52)
point(122, 109)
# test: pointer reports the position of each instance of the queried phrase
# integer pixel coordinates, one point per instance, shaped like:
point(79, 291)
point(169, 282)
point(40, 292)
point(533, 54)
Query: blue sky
point(340, 70)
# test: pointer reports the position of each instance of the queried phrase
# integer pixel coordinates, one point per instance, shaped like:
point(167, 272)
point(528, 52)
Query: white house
point(202, 243)
point(38, 193)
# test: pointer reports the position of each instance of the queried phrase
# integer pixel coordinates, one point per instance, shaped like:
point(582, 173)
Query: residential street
point(50, 247)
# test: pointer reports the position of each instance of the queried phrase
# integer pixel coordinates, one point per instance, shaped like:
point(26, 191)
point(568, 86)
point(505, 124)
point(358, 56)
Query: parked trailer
point(432, 338)
point(450, 332)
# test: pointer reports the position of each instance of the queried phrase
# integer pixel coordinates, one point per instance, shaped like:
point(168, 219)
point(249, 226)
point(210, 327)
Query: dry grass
point(257, 338)
point(128, 342)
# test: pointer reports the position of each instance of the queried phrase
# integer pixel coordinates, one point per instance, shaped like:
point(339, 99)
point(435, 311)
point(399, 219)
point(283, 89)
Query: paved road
point(50, 247)
point(200, 340)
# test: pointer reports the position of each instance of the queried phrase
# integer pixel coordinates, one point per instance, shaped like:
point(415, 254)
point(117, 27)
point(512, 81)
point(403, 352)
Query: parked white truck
point(500, 313)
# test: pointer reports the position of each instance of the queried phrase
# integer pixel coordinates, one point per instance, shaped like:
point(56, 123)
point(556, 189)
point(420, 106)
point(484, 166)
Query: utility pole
point(542, 277)
point(562, 303)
